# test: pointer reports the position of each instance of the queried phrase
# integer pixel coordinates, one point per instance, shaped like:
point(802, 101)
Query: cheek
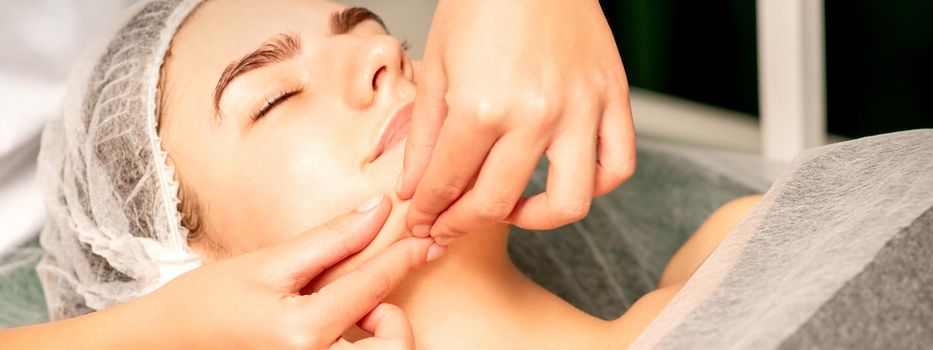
point(298, 180)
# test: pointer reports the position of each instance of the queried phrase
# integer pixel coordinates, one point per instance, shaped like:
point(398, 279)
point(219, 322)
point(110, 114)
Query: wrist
point(106, 329)
point(124, 326)
point(149, 324)
point(138, 324)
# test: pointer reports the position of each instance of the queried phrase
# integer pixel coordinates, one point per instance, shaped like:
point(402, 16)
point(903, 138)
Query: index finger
point(427, 117)
point(302, 258)
point(459, 154)
point(348, 299)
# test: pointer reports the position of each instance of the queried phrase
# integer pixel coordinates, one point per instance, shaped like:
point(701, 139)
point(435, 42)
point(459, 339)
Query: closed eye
point(272, 103)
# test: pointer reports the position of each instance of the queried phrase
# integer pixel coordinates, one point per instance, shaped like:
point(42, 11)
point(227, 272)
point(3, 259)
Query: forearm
point(126, 326)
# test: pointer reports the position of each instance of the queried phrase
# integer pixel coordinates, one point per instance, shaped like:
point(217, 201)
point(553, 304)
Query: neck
point(475, 298)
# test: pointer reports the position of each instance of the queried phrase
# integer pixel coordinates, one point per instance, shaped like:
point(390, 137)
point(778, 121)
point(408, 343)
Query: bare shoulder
point(706, 238)
point(634, 321)
point(681, 266)
point(743, 204)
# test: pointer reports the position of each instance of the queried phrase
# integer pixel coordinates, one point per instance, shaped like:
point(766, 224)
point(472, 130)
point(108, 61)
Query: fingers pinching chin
point(495, 193)
point(456, 161)
point(310, 253)
point(355, 294)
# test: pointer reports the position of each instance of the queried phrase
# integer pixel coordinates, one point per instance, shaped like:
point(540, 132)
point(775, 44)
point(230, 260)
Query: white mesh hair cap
point(114, 232)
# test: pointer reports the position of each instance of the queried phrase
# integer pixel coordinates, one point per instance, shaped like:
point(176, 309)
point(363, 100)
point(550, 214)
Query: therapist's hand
point(253, 300)
point(503, 83)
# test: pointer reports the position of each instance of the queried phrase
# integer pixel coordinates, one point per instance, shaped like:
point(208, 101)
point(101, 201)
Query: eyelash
point(272, 103)
point(284, 96)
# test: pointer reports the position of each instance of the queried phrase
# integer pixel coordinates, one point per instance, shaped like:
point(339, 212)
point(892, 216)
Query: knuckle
point(331, 227)
point(587, 95)
point(595, 82)
point(336, 241)
point(571, 211)
point(454, 231)
point(380, 287)
point(540, 111)
point(622, 172)
point(599, 79)
point(448, 227)
point(489, 112)
point(538, 102)
point(485, 111)
point(415, 144)
point(445, 191)
point(494, 210)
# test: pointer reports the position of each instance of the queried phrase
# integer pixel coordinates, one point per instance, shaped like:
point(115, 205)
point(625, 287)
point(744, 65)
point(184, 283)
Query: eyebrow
point(286, 46)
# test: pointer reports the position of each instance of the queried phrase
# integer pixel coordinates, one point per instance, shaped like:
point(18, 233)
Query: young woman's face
point(276, 143)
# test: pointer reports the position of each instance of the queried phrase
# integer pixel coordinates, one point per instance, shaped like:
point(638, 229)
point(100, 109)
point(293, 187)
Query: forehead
point(221, 31)
point(240, 22)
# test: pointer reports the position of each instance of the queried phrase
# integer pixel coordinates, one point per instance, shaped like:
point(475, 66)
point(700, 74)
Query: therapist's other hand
point(254, 300)
point(503, 83)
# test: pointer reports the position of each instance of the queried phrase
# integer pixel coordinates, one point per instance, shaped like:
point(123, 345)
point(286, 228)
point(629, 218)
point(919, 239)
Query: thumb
point(427, 117)
point(388, 322)
point(298, 260)
point(389, 328)
point(350, 297)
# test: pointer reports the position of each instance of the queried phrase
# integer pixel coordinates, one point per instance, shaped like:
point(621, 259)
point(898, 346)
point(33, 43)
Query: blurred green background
point(879, 56)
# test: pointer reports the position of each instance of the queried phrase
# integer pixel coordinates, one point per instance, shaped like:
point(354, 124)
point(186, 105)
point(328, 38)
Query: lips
point(393, 132)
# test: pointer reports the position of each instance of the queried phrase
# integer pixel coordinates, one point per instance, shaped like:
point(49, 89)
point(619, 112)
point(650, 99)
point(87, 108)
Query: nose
point(377, 65)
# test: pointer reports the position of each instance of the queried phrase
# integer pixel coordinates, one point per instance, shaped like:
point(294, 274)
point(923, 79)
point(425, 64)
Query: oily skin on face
point(259, 181)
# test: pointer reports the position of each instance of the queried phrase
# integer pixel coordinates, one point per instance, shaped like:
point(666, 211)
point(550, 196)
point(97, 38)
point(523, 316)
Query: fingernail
point(435, 252)
point(370, 203)
point(444, 241)
point(421, 230)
